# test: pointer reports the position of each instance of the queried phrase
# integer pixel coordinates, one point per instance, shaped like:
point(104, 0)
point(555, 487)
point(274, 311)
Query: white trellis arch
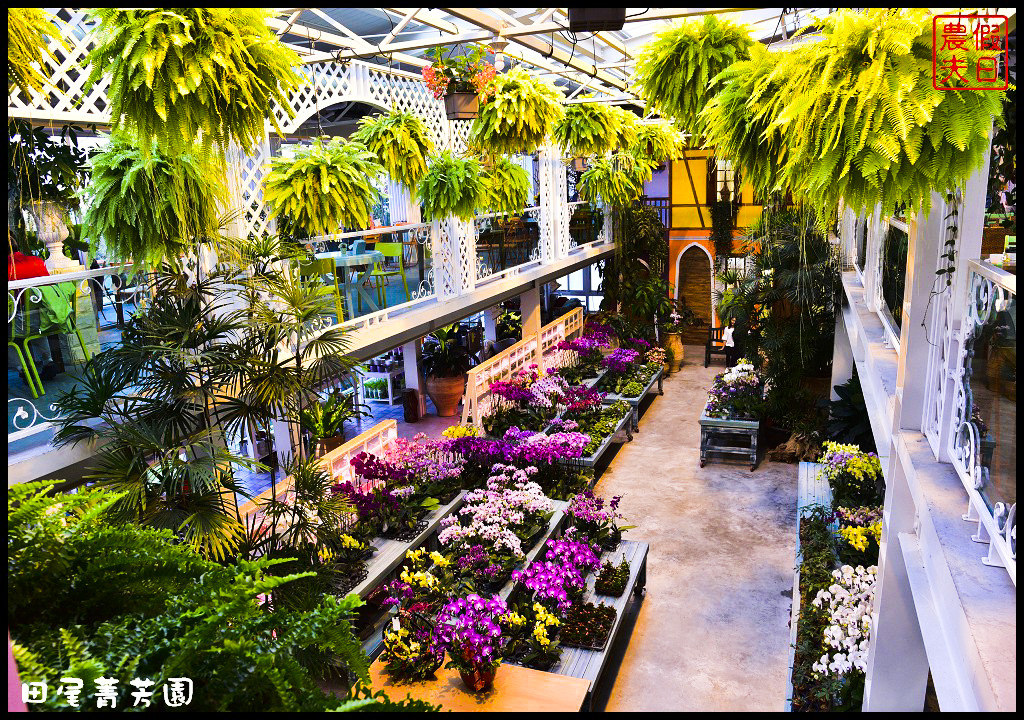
point(329, 83)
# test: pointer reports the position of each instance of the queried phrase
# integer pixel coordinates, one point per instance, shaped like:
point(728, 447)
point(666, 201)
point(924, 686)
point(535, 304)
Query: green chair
point(380, 274)
point(325, 268)
point(22, 332)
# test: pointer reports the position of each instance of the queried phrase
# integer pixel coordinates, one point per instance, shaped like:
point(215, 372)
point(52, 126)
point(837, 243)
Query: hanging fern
point(401, 143)
point(736, 126)
point(27, 51)
point(323, 187)
point(674, 72)
point(506, 186)
point(861, 121)
point(451, 187)
point(149, 207)
point(213, 74)
point(518, 116)
point(626, 129)
point(587, 129)
point(659, 142)
point(618, 179)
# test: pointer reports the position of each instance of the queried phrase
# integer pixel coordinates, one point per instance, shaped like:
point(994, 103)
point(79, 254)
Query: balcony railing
point(87, 310)
point(984, 438)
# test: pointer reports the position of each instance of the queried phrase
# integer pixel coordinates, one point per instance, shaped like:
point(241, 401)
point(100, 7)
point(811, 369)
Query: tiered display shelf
point(590, 664)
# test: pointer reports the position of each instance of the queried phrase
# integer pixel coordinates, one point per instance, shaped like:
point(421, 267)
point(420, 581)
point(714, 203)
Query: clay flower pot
point(445, 393)
point(674, 342)
point(479, 679)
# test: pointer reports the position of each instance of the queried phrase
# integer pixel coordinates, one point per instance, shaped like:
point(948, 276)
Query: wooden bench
point(715, 344)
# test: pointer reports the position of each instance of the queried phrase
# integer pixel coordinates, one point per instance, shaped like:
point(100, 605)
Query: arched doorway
point(693, 287)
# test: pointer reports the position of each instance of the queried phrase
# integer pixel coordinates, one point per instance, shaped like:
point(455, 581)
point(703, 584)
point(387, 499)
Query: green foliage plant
point(212, 75)
point(848, 416)
point(443, 356)
point(453, 186)
point(735, 124)
point(587, 129)
point(519, 115)
point(618, 179)
point(627, 130)
point(149, 206)
point(327, 419)
point(659, 142)
point(323, 188)
point(27, 51)
point(401, 143)
point(506, 186)
point(855, 117)
point(45, 168)
point(674, 72)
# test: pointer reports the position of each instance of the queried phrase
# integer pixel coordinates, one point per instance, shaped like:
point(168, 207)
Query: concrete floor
point(712, 632)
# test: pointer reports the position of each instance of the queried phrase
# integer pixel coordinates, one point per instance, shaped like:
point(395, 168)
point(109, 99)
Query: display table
point(389, 377)
point(516, 689)
point(345, 262)
point(726, 436)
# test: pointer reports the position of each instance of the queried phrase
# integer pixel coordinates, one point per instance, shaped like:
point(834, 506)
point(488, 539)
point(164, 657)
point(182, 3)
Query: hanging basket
point(461, 105)
point(593, 19)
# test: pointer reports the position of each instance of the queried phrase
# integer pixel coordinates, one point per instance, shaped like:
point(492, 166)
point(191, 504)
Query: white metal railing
point(991, 310)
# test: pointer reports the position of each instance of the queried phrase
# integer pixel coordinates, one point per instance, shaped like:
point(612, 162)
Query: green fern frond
point(506, 187)
point(28, 54)
point(452, 186)
point(401, 143)
point(517, 117)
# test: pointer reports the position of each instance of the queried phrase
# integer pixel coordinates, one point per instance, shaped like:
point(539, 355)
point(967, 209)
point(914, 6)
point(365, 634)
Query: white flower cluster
point(740, 371)
point(850, 600)
point(509, 500)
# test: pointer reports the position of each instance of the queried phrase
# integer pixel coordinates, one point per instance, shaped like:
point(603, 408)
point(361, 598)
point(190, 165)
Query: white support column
point(897, 671)
point(924, 245)
point(413, 375)
point(285, 441)
point(842, 357)
point(554, 206)
point(873, 262)
point(401, 205)
point(491, 323)
point(529, 308)
point(454, 249)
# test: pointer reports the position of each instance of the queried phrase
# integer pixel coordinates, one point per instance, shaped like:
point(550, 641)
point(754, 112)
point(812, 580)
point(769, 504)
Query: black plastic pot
point(461, 105)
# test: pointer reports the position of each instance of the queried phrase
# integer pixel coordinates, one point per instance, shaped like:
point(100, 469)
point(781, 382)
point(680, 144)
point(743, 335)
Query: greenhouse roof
point(600, 63)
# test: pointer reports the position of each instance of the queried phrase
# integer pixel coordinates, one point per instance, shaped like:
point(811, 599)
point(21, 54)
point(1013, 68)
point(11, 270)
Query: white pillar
point(897, 672)
point(491, 323)
point(529, 308)
point(413, 375)
point(924, 242)
point(842, 357)
point(554, 207)
point(454, 250)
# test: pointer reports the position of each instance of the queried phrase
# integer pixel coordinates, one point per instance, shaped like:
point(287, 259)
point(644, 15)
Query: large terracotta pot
point(325, 445)
point(479, 679)
point(674, 342)
point(445, 393)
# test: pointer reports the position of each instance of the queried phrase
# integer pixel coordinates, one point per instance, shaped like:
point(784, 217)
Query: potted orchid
point(460, 79)
point(469, 629)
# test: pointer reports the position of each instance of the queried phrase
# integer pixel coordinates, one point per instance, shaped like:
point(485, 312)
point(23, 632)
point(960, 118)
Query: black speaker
point(593, 19)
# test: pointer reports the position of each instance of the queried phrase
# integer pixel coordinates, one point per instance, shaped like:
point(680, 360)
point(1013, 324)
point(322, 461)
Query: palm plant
point(195, 367)
point(327, 419)
point(180, 76)
point(443, 357)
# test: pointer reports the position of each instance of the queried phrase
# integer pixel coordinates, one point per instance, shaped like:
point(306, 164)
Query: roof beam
point(521, 35)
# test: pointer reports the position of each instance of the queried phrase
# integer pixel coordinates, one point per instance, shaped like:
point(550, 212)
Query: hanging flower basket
point(461, 105)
